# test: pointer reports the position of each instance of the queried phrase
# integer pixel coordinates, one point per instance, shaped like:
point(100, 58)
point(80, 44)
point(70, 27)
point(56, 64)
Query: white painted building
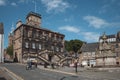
point(1, 43)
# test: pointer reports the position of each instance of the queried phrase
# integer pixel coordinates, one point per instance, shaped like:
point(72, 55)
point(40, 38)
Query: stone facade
point(30, 39)
point(108, 53)
point(88, 54)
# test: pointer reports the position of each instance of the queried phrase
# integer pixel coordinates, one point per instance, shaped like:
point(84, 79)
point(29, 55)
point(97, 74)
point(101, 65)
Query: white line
point(59, 71)
point(13, 74)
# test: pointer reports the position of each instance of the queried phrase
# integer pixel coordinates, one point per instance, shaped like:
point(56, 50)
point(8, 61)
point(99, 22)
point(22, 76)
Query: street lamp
point(76, 61)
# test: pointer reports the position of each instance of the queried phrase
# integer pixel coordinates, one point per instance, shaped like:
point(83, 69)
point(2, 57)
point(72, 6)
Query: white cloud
point(104, 8)
point(70, 29)
point(96, 22)
point(13, 4)
point(87, 36)
point(91, 36)
point(55, 5)
point(2, 2)
point(69, 19)
point(100, 23)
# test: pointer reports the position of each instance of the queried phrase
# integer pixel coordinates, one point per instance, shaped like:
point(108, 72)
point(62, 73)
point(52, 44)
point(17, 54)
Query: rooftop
point(34, 14)
point(89, 47)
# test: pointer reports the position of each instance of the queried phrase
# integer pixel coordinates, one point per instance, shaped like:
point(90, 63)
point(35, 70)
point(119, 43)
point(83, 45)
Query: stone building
point(87, 58)
point(1, 43)
point(10, 39)
point(33, 41)
point(108, 53)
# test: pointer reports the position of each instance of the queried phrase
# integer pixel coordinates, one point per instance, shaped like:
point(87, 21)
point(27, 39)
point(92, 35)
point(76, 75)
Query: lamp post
point(75, 50)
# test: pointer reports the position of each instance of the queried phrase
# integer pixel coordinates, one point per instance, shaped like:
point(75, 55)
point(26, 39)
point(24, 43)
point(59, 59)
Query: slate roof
point(1, 28)
point(89, 47)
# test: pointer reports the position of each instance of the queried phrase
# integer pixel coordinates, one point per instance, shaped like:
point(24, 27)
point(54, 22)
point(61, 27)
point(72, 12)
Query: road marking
point(16, 77)
point(59, 71)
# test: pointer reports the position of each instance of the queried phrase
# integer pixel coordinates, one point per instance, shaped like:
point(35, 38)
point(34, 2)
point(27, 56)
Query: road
point(37, 74)
point(41, 74)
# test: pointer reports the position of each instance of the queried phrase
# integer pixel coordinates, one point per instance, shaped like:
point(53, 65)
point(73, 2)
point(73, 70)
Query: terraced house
point(33, 41)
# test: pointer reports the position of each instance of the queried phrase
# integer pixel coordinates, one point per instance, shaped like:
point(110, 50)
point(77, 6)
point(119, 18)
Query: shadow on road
point(62, 78)
point(69, 78)
point(2, 78)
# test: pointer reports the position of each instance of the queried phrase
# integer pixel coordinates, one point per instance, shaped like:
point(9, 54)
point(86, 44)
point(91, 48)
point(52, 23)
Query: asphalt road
point(37, 74)
point(4, 75)
point(41, 74)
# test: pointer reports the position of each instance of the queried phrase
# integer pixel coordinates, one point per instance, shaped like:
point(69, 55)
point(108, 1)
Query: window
point(117, 54)
point(57, 49)
point(55, 38)
point(37, 34)
point(26, 45)
point(30, 34)
point(93, 54)
point(34, 34)
point(40, 46)
point(61, 49)
point(33, 45)
point(117, 46)
point(25, 32)
point(52, 47)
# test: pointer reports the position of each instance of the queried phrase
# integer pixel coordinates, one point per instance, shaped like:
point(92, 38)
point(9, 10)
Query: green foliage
point(73, 45)
point(10, 50)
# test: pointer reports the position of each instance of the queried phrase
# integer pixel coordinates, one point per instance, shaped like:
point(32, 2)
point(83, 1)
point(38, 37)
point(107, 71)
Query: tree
point(10, 50)
point(73, 45)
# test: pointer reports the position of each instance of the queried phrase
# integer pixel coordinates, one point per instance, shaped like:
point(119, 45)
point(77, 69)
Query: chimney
point(18, 23)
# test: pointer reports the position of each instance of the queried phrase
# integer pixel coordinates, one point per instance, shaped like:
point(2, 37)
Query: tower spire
point(12, 28)
point(35, 6)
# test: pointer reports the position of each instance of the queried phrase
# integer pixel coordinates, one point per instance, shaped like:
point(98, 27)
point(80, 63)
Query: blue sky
point(77, 19)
